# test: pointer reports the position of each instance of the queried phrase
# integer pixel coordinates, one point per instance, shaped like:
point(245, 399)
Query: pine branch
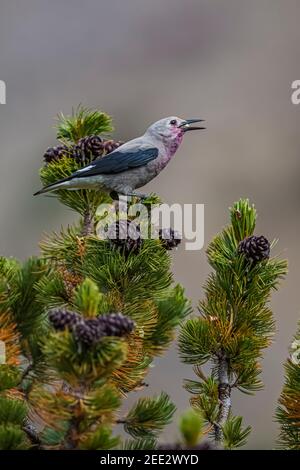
point(149, 416)
point(26, 372)
point(147, 443)
point(235, 322)
point(73, 432)
point(288, 410)
point(88, 223)
point(224, 393)
point(233, 434)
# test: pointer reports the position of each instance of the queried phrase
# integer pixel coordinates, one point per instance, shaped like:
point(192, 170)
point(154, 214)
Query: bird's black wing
point(118, 161)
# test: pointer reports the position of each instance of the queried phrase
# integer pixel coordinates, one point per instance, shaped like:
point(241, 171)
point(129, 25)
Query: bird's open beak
point(186, 125)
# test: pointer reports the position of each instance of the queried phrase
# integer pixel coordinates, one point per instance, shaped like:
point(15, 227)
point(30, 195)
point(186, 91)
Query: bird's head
point(173, 128)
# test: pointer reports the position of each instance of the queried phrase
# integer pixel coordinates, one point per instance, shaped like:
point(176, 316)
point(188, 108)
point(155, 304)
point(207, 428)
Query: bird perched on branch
point(134, 163)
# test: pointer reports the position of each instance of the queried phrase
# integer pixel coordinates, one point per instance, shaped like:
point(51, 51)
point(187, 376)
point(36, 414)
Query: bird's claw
point(116, 196)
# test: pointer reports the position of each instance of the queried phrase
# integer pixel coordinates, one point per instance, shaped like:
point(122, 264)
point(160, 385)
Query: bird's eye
point(173, 122)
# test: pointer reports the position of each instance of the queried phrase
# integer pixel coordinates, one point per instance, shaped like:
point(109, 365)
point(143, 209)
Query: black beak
point(186, 125)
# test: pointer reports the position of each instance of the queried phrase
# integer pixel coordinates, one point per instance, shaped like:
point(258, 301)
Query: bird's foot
point(140, 196)
point(115, 196)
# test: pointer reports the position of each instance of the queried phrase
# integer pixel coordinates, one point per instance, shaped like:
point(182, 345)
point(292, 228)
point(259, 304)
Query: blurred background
point(231, 62)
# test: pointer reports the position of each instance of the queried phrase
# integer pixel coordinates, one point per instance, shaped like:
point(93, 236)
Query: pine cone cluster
point(90, 331)
point(255, 248)
point(64, 319)
point(111, 145)
point(54, 154)
point(125, 235)
point(116, 324)
point(87, 149)
point(169, 238)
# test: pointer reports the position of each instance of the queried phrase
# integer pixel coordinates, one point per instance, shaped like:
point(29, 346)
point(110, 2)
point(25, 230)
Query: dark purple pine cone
point(54, 154)
point(116, 324)
point(125, 235)
point(88, 148)
point(89, 331)
point(62, 319)
point(111, 145)
point(255, 248)
point(92, 147)
point(170, 238)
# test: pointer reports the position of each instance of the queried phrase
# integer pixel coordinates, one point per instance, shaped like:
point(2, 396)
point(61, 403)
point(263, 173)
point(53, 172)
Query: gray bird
point(133, 164)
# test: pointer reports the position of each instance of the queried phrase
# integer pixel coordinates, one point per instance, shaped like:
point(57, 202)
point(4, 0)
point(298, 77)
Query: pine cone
point(255, 248)
point(88, 148)
point(62, 319)
point(170, 238)
point(125, 235)
point(92, 147)
point(89, 331)
point(111, 145)
point(116, 324)
point(70, 279)
point(54, 154)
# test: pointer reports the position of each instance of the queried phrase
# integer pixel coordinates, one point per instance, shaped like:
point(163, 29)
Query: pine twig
point(121, 421)
point(224, 392)
point(88, 223)
point(26, 372)
point(72, 436)
point(71, 439)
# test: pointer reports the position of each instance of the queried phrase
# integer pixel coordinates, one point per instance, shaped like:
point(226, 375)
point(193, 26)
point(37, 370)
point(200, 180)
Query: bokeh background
point(231, 62)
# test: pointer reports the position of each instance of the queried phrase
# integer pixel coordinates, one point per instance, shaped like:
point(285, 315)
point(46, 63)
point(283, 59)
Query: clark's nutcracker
point(134, 163)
